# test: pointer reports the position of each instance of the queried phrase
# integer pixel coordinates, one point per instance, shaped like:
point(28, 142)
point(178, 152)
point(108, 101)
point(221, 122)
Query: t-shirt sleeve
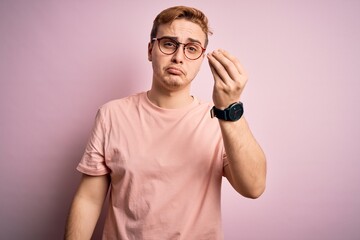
point(93, 160)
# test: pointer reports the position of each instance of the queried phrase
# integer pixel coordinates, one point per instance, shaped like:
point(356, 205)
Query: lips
point(174, 70)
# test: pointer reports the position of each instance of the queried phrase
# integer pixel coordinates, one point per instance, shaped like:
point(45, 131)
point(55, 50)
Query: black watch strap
point(221, 114)
point(232, 113)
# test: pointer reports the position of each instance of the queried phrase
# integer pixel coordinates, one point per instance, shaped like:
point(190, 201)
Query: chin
point(174, 81)
point(173, 86)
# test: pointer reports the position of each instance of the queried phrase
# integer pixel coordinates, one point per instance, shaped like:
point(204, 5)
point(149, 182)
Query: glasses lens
point(168, 45)
point(193, 50)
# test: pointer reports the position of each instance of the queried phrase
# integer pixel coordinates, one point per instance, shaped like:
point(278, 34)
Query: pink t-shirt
point(166, 167)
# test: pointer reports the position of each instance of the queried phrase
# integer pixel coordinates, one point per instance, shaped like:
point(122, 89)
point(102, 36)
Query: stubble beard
point(176, 82)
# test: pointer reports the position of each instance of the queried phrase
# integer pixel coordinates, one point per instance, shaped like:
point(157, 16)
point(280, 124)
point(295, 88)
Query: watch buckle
point(212, 113)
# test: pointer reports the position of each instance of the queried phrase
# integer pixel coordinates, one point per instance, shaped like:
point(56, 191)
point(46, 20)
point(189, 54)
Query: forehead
point(183, 30)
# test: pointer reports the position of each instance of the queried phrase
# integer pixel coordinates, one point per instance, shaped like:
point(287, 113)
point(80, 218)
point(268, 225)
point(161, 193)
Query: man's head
point(181, 12)
point(176, 48)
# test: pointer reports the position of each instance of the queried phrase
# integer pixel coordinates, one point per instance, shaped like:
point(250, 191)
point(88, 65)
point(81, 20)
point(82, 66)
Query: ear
point(150, 48)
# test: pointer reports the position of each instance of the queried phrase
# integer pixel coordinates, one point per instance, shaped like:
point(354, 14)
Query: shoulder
point(118, 108)
point(125, 102)
point(203, 105)
point(202, 112)
point(135, 98)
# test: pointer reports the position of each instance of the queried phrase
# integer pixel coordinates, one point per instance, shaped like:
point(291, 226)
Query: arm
point(247, 165)
point(86, 207)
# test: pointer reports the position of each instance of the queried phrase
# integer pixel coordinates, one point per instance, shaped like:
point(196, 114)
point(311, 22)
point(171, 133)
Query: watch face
point(236, 110)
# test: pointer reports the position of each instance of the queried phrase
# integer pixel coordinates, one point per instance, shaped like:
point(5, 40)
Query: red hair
point(181, 12)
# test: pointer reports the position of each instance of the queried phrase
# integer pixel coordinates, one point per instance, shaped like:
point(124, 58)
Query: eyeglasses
point(168, 46)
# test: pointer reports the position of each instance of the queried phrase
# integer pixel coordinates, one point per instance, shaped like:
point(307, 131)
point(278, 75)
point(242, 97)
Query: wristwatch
point(231, 113)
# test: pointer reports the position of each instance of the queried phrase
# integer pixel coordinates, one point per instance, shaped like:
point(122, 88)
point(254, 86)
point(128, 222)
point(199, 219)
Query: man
point(162, 153)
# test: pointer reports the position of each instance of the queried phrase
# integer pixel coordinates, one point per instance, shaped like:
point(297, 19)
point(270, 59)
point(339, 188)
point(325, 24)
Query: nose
point(179, 55)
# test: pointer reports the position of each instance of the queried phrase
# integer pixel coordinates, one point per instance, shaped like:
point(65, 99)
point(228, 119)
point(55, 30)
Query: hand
point(229, 76)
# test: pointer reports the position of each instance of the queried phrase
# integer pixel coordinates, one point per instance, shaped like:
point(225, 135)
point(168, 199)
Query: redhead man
point(162, 153)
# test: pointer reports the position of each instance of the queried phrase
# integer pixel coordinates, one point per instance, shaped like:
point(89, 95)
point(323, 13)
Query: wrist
point(231, 113)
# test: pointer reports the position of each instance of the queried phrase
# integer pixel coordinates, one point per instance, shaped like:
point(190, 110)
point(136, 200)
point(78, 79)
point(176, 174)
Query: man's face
point(175, 72)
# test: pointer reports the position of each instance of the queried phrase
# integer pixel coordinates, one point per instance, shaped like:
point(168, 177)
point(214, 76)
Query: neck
point(170, 100)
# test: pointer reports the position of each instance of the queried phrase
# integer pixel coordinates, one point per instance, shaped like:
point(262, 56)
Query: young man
point(162, 153)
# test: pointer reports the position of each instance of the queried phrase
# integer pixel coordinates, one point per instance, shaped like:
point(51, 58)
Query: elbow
point(253, 192)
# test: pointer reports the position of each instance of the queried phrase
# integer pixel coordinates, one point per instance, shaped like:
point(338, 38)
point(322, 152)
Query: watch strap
point(221, 114)
point(232, 113)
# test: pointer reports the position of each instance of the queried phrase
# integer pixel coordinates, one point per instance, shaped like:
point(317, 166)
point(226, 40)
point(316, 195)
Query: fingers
point(229, 78)
point(235, 61)
point(216, 76)
point(222, 66)
point(227, 67)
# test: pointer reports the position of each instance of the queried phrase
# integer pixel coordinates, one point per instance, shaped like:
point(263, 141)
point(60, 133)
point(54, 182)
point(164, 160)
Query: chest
point(149, 145)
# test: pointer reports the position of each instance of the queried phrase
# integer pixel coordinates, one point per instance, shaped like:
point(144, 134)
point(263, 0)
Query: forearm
point(247, 164)
point(82, 219)
point(86, 207)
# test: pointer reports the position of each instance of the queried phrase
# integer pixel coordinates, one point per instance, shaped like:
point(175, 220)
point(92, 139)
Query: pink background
point(60, 60)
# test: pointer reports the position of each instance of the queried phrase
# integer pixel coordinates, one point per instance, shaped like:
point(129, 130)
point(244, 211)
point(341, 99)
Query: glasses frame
point(177, 47)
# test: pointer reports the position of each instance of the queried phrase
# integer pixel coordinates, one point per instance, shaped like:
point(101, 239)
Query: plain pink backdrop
point(61, 60)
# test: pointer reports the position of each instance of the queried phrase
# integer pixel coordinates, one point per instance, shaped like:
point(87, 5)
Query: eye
point(193, 48)
point(167, 43)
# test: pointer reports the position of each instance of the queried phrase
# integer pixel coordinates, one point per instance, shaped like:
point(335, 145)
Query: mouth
point(174, 70)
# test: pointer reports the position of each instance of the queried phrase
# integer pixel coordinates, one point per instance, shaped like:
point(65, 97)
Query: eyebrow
point(188, 39)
